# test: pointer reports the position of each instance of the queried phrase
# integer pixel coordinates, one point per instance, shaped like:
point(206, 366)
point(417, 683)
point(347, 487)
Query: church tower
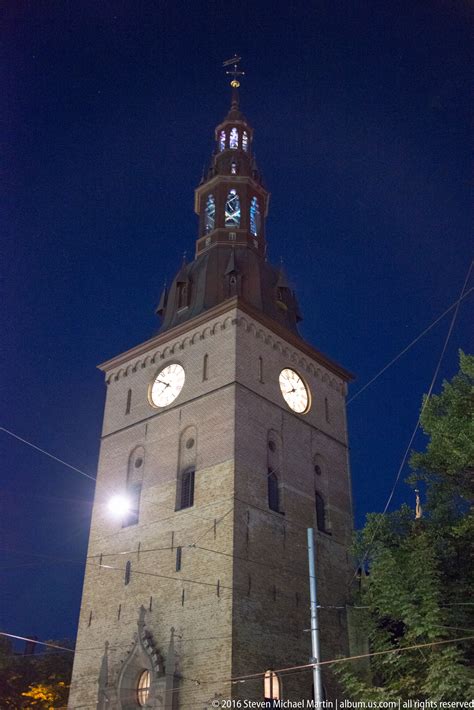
point(225, 438)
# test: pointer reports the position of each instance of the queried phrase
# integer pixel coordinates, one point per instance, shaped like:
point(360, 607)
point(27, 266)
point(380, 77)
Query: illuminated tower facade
point(226, 435)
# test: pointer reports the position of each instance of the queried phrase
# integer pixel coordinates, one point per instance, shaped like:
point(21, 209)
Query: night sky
point(360, 113)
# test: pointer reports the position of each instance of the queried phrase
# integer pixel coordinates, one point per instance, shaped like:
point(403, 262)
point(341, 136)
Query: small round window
point(143, 688)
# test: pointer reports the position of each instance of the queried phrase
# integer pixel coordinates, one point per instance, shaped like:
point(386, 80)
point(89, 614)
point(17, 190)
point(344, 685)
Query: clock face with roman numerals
point(295, 393)
point(167, 385)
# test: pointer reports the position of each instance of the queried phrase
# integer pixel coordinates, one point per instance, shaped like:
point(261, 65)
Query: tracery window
point(245, 141)
point(233, 139)
point(254, 217)
point(210, 214)
point(143, 688)
point(232, 210)
point(222, 140)
point(271, 686)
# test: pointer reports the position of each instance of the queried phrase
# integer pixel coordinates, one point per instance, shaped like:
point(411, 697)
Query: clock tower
point(224, 439)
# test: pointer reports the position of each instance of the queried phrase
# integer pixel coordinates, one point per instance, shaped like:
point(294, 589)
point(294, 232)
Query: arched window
point(222, 140)
point(245, 141)
point(232, 209)
point(233, 139)
point(320, 513)
point(271, 686)
point(187, 489)
point(210, 214)
point(143, 688)
point(233, 168)
point(273, 492)
point(128, 572)
point(254, 216)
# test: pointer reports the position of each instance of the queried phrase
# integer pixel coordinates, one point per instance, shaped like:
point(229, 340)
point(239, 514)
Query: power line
point(402, 352)
point(42, 643)
point(165, 576)
point(260, 674)
point(46, 453)
point(342, 660)
point(183, 580)
point(425, 402)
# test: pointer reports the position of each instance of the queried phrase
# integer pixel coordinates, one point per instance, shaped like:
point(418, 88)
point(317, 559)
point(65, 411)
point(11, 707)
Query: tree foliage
point(35, 681)
point(415, 590)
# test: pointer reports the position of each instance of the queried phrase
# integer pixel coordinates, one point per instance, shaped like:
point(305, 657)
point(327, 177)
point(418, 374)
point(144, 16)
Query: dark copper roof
point(256, 282)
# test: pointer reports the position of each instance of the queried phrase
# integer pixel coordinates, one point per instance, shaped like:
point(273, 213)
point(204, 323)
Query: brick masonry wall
point(251, 607)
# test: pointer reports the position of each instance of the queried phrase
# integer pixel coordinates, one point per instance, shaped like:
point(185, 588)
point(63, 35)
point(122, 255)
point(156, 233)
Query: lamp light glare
point(119, 505)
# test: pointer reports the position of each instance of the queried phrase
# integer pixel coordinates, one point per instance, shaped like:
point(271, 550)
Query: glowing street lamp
point(119, 506)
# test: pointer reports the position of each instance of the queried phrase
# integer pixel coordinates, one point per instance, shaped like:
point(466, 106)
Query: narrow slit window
point(222, 141)
point(205, 363)
point(260, 369)
point(128, 573)
point(326, 409)
point(273, 492)
point(210, 214)
point(233, 168)
point(254, 217)
point(320, 513)
point(179, 551)
point(245, 141)
point(129, 402)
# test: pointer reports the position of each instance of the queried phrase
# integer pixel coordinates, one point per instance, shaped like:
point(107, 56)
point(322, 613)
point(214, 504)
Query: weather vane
point(234, 73)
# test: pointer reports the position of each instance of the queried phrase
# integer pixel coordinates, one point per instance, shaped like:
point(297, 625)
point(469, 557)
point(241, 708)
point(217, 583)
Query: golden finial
point(234, 73)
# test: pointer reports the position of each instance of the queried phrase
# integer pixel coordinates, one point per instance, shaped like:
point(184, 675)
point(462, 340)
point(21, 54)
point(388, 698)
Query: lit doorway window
point(271, 686)
point(143, 688)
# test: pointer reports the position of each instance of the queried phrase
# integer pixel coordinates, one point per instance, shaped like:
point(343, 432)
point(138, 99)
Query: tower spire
point(235, 83)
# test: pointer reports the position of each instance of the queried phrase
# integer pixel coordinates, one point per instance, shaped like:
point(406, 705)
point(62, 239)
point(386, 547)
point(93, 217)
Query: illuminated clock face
point(294, 391)
point(167, 385)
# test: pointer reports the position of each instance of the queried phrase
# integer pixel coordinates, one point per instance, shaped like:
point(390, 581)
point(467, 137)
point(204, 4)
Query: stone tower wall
point(240, 603)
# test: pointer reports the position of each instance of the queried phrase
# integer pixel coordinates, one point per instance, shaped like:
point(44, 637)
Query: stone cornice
point(297, 342)
point(163, 338)
point(163, 343)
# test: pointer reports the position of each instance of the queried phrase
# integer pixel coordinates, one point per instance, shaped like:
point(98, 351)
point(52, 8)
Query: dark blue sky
point(360, 113)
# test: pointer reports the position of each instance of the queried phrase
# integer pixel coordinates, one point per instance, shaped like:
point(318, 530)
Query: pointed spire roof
point(183, 272)
point(234, 114)
point(161, 307)
point(282, 279)
point(231, 266)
